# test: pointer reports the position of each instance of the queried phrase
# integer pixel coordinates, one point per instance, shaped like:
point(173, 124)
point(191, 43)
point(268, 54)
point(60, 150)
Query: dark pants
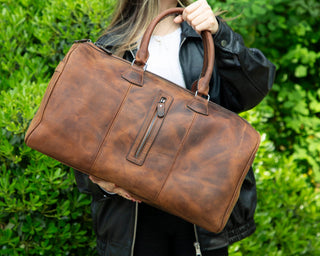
point(162, 234)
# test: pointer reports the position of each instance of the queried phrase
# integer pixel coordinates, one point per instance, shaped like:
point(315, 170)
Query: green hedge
point(41, 210)
point(286, 31)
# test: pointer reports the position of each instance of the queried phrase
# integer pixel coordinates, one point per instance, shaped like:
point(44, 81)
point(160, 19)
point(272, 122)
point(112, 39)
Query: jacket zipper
point(159, 113)
point(196, 243)
point(134, 228)
point(182, 41)
point(132, 54)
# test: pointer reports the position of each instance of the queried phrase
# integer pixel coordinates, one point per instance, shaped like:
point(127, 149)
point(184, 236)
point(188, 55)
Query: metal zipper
point(159, 113)
point(183, 40)
point(196, 243)
point(135, 228)
point(133, 56)
point(83, 41)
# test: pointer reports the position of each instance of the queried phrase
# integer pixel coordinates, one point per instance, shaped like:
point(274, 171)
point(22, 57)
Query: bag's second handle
point(208, 62)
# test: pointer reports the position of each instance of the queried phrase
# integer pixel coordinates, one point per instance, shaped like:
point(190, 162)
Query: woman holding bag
point(241, 79)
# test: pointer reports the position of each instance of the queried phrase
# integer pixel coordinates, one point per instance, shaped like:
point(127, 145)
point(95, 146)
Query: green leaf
point(301, 71)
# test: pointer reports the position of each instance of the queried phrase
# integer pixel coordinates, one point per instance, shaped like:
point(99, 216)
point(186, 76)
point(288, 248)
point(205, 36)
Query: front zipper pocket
point(150, 128)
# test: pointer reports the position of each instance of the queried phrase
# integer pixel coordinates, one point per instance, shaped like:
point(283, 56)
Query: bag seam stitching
point(177, 154)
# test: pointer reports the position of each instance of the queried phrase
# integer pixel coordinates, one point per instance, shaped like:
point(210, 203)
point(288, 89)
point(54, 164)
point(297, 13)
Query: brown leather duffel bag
point(167, 146)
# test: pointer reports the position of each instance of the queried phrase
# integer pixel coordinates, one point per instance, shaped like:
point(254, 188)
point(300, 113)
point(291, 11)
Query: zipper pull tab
point(160, 107)
point(197, 247)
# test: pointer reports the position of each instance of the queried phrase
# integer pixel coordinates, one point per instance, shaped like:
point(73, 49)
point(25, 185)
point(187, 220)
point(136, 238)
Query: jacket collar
point(188, 31)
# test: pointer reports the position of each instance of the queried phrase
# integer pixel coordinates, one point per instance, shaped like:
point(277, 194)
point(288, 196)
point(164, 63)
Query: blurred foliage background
point(41, 210)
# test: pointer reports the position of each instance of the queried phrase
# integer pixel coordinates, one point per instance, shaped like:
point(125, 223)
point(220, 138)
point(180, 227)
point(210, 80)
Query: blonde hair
point(130, 20)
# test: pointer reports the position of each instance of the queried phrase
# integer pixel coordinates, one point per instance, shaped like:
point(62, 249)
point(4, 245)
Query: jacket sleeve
point(246, 75)
point(85, 185)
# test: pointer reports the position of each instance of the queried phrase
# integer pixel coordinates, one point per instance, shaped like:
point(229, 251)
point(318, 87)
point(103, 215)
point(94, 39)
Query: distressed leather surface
point(177, 159)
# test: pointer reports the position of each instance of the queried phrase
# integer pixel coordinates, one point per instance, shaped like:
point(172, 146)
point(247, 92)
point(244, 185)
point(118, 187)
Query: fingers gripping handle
point(208, 61)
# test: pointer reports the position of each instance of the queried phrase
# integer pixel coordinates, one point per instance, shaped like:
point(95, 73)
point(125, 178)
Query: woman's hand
point(200, 17)
point(112, 188)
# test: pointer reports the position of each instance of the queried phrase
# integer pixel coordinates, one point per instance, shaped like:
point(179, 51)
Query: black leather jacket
point(242, 77)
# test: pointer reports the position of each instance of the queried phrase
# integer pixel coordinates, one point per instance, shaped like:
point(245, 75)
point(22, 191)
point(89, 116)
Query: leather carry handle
point(208, 46)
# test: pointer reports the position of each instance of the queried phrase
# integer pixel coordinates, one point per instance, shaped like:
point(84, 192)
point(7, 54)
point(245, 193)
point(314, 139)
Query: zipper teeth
point(184, 39)
point(182, 42)
point(196, 233)
point(197, 244)
point(135, 228)
point(146, 136)
point(149, 130)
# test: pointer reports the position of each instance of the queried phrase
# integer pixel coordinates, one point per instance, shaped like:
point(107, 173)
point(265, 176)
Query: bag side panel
point(210, 169)
point(81, 107)
point(38, 116)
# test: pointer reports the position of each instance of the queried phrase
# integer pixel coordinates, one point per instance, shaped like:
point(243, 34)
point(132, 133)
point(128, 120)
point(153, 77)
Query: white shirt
point(164, 57)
